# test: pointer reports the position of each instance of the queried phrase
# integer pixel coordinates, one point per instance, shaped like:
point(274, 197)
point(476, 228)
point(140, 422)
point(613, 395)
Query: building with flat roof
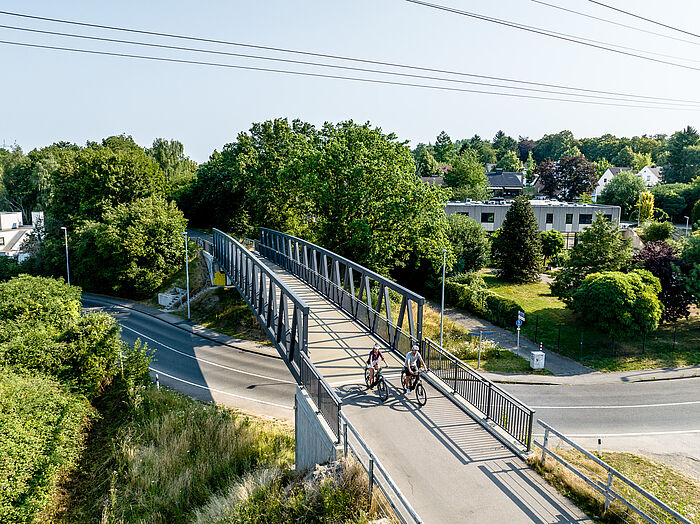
point(565, 217)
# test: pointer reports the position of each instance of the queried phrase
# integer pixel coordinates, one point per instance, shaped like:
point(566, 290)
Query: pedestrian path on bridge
point(449, 466)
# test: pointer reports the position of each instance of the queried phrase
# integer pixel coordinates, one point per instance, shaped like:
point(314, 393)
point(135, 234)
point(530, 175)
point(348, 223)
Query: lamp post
point(442, 307)
point(65, 233)
point(187, 274)
point(687, 219)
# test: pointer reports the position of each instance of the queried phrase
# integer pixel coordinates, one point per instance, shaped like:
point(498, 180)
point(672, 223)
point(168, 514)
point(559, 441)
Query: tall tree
point(426, 165)
point(525, 147)
point(518, 247)
point(443, 148)
point(683, 156)
point(623, 190)
point(548, 177)
point(469, 243)
point(510, 162)
point(468, 177)
point(502, 143)
point(170, 155)
point(661, 261)
point(576, 175)
point(556, 146)
point(600, 248)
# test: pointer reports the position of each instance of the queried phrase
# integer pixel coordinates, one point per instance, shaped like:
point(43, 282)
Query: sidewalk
point(566, 370)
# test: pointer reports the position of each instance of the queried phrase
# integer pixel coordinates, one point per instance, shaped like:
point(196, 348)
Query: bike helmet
point(414, 348)
point(376, 346)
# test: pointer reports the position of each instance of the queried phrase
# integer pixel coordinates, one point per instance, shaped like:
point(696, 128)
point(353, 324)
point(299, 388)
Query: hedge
point(41, 435)
point(481, 301)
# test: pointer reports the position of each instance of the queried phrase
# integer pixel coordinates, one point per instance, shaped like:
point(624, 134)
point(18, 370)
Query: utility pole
point(187, 274)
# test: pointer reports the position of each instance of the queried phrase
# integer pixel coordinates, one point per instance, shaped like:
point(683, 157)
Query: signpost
point(480, 334)
point(518, 323)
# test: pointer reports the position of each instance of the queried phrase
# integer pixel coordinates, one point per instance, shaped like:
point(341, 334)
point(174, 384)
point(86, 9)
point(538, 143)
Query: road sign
point(519, 322)
point(521, 316)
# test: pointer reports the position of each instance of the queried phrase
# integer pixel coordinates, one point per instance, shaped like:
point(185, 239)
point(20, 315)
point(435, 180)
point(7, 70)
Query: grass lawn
point(225, 311)
point(549, 321)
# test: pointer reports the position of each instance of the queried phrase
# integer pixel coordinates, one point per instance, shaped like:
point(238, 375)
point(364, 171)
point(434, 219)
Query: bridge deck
point(449, 467)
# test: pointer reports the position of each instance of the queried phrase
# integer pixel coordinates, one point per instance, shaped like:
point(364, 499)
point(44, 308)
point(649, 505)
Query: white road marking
point(647, 434)
point(218, 390)
point(209, 361)
point(621, 407)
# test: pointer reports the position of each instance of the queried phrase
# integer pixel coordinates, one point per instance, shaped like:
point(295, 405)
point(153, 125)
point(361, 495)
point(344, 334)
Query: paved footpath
point(449, 466)
point(566, 370)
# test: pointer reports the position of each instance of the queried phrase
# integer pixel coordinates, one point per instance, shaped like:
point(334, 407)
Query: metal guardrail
point(385, 497)
point(322, 394)
point(268, 297)
point(494, 402)
point(346, 283)
point(204, 244)
point(623, 497)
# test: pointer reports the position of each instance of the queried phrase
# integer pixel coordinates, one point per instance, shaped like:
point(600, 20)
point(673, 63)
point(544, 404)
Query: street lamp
point(687, 219)
point(65, 232)
point(187, 275)
point(442, 307)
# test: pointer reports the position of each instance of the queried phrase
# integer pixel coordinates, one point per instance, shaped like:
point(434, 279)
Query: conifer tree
point(518, 247)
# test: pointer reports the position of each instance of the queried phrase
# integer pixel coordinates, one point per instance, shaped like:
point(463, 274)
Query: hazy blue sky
point(51, 95)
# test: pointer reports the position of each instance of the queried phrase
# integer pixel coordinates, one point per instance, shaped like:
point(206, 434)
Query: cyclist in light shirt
point(413, 359)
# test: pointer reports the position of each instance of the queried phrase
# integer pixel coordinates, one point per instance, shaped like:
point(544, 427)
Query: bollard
point(157, 382)
point(371, 478)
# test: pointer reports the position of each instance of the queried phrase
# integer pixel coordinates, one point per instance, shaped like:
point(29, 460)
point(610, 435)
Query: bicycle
point(379, 381)
point(416, 385)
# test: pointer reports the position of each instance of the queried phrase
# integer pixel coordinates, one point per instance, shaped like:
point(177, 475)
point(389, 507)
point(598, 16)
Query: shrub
point(41, 427)
point(657, 231)
point(552, 243)
point(468, 291)
point(469, 243)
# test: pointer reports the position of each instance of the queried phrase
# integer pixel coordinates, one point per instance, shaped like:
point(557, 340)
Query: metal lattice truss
point(281, 313)
point(362, 293)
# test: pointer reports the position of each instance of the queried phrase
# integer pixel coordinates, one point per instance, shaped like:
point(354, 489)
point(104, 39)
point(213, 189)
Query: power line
point(336, 57)
point(619, 24)
point(337, 77)
point(643, 18)
point(318, 64)
point(552, 34)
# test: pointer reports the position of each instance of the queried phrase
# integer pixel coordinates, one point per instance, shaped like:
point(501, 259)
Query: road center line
point(218, 390)
point(667, 404)
point(209, 361)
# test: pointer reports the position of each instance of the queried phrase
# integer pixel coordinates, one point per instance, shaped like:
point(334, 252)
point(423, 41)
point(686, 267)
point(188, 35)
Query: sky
point(50, 95)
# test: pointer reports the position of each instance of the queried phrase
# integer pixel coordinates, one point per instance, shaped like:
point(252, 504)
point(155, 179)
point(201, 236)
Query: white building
point(13, 232)
point(606, 177)
point(651, 175)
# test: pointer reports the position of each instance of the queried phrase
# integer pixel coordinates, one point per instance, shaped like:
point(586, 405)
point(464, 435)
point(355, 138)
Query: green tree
point(670, 198)
point(426, 165)
point(468, 177)
point(530, 167)
point(695, 216)
point(556, 146)
point(623, 190)
point(131, 252)
point(576, 176)
point(683, 156)
point(641, 160)
point(179, 169)
point(503, 144)
point(624, 157)
point(518, 247)
point(621, 304)
point(552, 243)
point(443, 148)
point(548, 177)
point(510, 162)
point(655, 231)
point(469, 243)
point(645, 206)
point(601, 166)
point(691, 256)
point(600, 248)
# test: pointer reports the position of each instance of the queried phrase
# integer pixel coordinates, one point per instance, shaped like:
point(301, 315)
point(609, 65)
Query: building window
point(487, 217)
point(550, 218)
point(2, 241)
point(466, 213)
point(585, 218)
point(608, 218)
point(569, 218)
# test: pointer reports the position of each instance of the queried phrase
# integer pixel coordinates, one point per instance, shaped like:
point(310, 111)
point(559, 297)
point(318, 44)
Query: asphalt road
point(206, 370)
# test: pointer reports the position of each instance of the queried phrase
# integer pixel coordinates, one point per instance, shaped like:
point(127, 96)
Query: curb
point(184, 325)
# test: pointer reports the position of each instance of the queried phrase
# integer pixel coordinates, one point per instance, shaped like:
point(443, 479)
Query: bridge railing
point(281, 313)
point(622, 496)
point(321, 392)
point(497, 405)
point(386, 499)
point(350, 286)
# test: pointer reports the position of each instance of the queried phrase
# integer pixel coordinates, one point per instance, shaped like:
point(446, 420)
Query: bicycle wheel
point(367, 377)
point(403, 379)
point(421, 395)
point(382, 389)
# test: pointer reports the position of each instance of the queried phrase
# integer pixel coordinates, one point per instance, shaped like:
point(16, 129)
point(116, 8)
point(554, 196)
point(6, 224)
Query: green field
point(549, 321)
